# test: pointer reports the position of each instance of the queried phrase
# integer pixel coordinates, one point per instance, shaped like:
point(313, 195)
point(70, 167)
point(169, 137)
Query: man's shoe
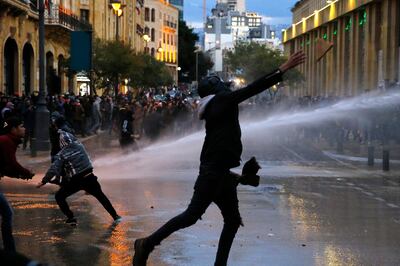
point(71, 221)
point(117, 219)
point(142, 252)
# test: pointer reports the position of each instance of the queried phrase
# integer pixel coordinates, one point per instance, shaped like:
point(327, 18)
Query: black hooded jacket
point(222, 147)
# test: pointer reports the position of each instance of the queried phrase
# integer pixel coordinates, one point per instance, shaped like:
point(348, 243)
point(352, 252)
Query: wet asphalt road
point(305, 212)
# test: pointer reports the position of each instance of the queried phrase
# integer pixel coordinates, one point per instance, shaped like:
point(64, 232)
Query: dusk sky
point(274, 12)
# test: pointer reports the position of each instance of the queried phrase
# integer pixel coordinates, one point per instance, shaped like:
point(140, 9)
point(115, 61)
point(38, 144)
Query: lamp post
point(160, 50)
point(41, 135)
point(117, 6)
point(197, 68)
point(198, 49)
point(146, 39)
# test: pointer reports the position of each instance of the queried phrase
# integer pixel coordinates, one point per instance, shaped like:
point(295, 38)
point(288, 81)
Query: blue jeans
point(6, 214)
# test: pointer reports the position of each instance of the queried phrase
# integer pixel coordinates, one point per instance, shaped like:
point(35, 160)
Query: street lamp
point(146, 38)
point(198, 49)
point(117, 6)
point(40, 140)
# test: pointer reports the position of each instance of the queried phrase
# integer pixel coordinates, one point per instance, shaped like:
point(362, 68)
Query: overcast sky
point(273, 11)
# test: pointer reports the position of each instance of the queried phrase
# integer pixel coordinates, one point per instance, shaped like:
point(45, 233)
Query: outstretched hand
point(28, 176)
point(40, 184)
point(294, 60)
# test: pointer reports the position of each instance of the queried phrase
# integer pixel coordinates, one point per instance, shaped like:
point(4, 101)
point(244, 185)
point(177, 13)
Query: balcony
point(20, 7)
point(59, 17)
point(170, 24)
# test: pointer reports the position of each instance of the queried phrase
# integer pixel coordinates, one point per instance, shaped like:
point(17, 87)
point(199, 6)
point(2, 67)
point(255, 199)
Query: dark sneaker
point(142, 252)
point(117, 219)
point(71, 221)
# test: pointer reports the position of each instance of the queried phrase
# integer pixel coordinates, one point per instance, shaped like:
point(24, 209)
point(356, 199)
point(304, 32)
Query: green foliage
point(253, 60)
point(155, 73)
point(114, 61)
point(187, 55)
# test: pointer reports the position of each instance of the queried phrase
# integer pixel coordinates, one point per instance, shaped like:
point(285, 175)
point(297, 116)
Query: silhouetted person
point(221, 151)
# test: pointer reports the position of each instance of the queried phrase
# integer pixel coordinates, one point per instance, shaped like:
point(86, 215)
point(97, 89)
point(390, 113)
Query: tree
point(154, 73)
point(253, 60)
point(112, 61)
point(187, 55)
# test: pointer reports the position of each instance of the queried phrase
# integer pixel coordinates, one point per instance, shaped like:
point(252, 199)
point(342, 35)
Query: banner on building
point(81, 51)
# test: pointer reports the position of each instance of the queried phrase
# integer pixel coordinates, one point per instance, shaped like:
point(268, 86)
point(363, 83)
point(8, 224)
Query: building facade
point(227, 25)
point(178, 4)
point(366, 45)
point(19, 35)
point(161, 28)
point(127, 28)
point(234, 5)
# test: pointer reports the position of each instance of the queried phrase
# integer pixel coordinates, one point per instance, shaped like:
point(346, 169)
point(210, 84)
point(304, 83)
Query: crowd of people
point(147, 115)
point(130, 117)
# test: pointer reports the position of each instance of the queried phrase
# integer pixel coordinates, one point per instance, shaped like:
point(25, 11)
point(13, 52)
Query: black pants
point(88, 184)
point(216, 186)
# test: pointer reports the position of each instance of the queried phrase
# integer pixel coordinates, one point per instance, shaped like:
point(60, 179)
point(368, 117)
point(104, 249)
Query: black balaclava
point(212, 85)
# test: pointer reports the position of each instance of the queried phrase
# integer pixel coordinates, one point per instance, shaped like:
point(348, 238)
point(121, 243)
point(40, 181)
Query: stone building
point(19, 35)
point(161, 33)
point(366, 45)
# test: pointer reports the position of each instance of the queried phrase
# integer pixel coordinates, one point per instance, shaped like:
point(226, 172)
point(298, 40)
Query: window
point(146, 14)
point(153, 15)
point(85, 15)
point(153, 35)
point(146, 31)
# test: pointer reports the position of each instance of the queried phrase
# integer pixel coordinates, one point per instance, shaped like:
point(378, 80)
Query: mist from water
point(180, 157)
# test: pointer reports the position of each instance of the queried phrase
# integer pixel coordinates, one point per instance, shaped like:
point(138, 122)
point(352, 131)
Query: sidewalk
point(355, 156)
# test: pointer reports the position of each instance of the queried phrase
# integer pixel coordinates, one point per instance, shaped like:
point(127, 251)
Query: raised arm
point(268, 80)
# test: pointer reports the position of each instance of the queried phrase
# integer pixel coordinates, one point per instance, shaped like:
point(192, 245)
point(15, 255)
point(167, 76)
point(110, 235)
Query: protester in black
point(221, 151)
point(126, 126)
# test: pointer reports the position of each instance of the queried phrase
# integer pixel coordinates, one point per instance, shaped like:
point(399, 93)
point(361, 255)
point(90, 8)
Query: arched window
point(153, 34)
point(153, 15)
point(11, 66)
point(146, 14)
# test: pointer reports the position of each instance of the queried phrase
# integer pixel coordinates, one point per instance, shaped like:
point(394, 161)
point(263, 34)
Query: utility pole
point(41, 133)
point(117, 28)
point(204, 12)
